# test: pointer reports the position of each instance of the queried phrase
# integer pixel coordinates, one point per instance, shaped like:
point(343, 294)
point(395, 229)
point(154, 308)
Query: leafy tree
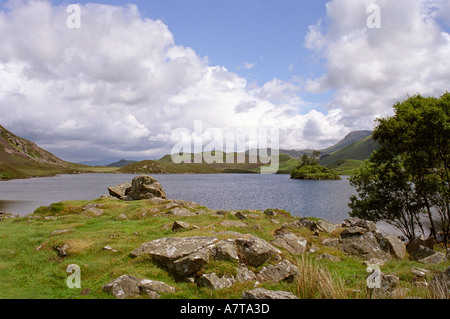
point(415, 148)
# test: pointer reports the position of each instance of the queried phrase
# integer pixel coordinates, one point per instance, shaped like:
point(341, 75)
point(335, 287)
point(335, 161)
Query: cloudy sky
point(119, 83)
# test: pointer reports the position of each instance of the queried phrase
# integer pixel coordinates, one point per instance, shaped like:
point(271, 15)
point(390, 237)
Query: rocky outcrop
point(361, 238)
point(260, 293)
point(420, 248)
point(141, 187)
point(145, 187)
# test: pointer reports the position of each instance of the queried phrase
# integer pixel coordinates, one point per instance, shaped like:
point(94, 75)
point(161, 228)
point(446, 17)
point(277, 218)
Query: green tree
point(416, 138)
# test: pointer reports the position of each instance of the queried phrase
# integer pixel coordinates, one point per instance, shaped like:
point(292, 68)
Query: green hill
point(20, 158)
point(359, 150)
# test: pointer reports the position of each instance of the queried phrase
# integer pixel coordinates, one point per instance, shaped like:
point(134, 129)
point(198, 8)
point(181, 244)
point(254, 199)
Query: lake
point(322, 199)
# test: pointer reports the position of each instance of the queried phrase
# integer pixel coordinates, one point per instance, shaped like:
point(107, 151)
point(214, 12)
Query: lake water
point(322, 199)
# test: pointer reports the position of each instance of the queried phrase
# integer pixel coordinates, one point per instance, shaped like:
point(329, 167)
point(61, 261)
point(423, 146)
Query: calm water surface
point(323, 199)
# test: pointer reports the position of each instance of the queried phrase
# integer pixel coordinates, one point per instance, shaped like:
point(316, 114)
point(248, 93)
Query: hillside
point(20, 158)
point(121, 163)
point(360, 150)
point(347, 140)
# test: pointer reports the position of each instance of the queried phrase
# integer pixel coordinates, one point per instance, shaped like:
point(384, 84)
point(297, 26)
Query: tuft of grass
point(316, 282)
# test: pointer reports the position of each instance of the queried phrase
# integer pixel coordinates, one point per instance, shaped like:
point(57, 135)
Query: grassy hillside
point(360, 150)
point(346, 167)
point(31, 266)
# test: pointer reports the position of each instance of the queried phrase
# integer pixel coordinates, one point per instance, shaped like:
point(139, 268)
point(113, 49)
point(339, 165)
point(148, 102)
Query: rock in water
point(145, 187)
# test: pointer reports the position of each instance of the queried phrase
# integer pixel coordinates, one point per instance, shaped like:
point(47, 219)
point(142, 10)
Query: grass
point(31, 268)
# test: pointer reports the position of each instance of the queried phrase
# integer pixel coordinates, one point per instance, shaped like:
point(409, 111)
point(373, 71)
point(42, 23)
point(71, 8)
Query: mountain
point(347, 140)
point(121, 163)
point(20, 158)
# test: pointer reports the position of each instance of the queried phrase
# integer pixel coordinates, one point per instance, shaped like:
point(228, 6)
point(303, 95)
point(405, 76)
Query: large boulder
point(192, 263)
point(255, 250)
point(145, 187)
point(260, 293)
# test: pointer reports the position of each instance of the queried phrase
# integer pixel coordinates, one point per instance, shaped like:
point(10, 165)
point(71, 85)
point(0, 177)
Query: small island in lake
point(310, 169)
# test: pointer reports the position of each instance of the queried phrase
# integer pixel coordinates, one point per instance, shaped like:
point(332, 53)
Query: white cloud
point(120, 85)
point(371, 69)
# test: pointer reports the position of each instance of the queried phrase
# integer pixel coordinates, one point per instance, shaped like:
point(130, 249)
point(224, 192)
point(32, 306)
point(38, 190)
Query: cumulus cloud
point(371, 69)
point(119, 86)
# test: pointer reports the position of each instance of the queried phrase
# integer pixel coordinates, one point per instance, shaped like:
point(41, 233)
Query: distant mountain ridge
point(121, 163)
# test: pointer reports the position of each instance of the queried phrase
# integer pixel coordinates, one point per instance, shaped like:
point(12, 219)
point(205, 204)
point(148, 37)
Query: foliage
point(410, 170)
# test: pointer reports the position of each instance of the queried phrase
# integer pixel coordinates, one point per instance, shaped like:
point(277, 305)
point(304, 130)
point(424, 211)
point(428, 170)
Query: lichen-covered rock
point(212, 281)
point(145, 187)
point(255, 250)
point(283, 271)
point(124, 287)
point(368, 245)
point(291, 242)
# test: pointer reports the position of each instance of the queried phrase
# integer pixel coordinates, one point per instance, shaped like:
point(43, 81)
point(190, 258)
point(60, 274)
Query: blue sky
point(118, 86)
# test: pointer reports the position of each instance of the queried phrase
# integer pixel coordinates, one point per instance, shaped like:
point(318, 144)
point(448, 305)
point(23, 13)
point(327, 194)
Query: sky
point(124, 77)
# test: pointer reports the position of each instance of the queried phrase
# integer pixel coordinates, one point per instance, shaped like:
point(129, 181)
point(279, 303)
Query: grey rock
point(145, 187)
point(419, 272)
point(61, 232)
point(212, 281)
point(192, 263)
point(388, 287)
point(156, 286)
point(362, 223)
point(283, 271)
point(244, 274)
point(167, 250)
point(436, 258)
point(180, 225)
point(420, 248)
point(119, 190)
point(124, 287)
point(368, 245)
point(225, 250)
point(240, 215)
point(260, 293)
point(291, 242)
point(396, 246)
point(255, 250)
